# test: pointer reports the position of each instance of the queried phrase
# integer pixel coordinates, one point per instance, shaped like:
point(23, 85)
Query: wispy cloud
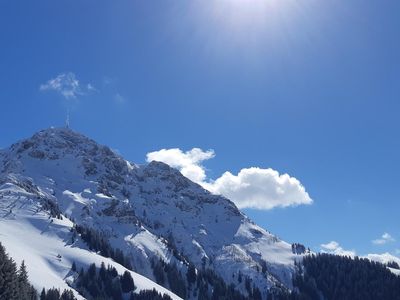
point(91, 88)
point(118, 98)
point(67, 85)
point(333, 247)
point(109, 80)
point(110, 86)
point(384, 239)
point(254, 187)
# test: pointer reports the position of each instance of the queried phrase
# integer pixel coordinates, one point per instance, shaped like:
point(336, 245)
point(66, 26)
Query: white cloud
point(385, 238)
point(251, 188)
point(189, 162)
point(333, 247)
point(67, 85)
point(261, 189)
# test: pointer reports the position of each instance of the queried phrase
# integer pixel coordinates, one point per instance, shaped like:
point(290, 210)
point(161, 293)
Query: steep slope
point(150, 212)
point(46, 244)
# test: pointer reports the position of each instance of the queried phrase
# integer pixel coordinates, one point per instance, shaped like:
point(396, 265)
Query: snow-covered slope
point(149, 211)
point(45, 243)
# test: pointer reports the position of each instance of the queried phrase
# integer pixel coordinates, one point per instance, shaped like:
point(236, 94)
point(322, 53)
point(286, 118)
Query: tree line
point(105, 283)
point(98, 243)
point(15, 285)
point(203, 284)
point(331, 277)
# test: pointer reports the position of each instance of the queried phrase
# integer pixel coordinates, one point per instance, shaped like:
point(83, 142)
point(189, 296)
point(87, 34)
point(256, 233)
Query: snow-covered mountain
point(150, 212)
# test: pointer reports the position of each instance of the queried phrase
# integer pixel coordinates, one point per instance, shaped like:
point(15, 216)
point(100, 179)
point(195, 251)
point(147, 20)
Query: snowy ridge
point(149, 211)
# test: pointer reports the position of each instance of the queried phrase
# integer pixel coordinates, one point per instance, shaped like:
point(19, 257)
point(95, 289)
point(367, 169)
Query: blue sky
point(309, 88)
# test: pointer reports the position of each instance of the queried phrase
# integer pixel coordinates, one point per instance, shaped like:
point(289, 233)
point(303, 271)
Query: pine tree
point(158, 271)
point(67, 295)
point(127, 283)
point(102, 271)
point(191, 274)
point(256, 293)
point(3, 259)
point(176, 281)
point(23, 284)
point(203, 292)
point(92, 271)
point(43, 294)
point(32, 293)
point(52, 294)
point(240, 277)
point(8, 274)
point(247, 284)
point(116, 290)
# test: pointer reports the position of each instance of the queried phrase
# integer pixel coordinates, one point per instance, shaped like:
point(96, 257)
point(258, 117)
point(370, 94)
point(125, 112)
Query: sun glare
point(244, 16)
point(243, 23)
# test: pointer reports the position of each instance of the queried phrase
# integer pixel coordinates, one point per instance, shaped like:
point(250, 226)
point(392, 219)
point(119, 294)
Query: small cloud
point(90, 87)
point(108, 80)
point(110, 86)
point(255, 187)
point(67, 85)
point(384, 239)
point(118, 98)
point(333, 247)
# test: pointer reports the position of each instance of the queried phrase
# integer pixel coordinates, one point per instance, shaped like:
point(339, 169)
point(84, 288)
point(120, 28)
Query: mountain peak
point(64, 147)
point(52, 143)
point(60, 136)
